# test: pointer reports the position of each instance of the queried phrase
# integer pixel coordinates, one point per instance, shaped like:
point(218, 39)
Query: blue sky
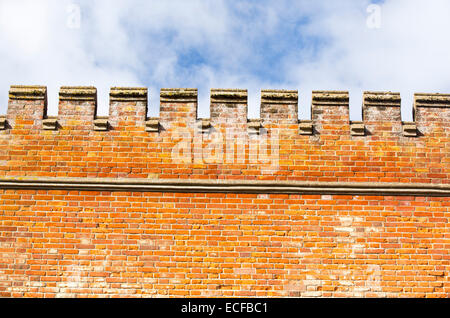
point(305, 45)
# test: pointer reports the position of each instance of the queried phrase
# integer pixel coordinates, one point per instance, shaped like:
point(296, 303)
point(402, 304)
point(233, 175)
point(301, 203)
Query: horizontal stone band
point(226, 186)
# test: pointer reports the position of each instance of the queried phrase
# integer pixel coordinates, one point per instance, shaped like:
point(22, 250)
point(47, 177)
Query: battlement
point(431, 108)
point(176, 205)
point(278, 146)
point(128, 106)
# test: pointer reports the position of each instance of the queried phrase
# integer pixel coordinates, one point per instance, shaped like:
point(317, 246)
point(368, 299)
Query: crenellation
point(27, 106)
point(382, 114)
point(128, 108)
point(279, 106)
point(229, 108)
point(77, 108)
point(178, 107)
point(431, 112)
point(330, 112)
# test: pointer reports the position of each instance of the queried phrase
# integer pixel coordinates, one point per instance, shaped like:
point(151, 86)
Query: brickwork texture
point(77, 241)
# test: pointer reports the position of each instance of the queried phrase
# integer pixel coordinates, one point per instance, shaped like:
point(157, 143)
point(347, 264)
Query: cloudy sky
point(355, 45)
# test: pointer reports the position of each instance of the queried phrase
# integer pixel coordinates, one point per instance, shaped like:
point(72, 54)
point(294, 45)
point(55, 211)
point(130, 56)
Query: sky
point(353, 45)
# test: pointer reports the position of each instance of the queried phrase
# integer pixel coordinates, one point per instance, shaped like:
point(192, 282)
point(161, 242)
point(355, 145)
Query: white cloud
point(408, 53)
point(38, 48)
point(153, 43)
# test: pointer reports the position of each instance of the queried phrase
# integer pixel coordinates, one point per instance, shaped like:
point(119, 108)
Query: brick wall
point(176, 206)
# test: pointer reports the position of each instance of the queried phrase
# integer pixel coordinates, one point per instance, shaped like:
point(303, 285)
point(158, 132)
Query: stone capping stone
point(228, 95)
point(50, 123)
point(21, 92)
point(178, 95)
point(128, 94)
point(431, 100)
point(253, 126)
point(409, 129)
point(204, 124)
point(305, 127)
point(330, 98)
point(381, 99)
point(152, 124)
point(3, 122)
point(78, 93)
point(273, 96)
point(357, 128)
point(226, 186)
point(101, 123)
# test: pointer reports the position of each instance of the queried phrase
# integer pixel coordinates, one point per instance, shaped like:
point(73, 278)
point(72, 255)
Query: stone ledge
point(3, 123)
point(330, 98)
point(253, 126)
point(409, 129)
point(357, 128)
point(78, 93)
point(128, 94)
point(178, 95)
point(305, 127)
point(101, 124)
point(226, 186)
point(21, 92)
point(381, 99)
point(50, 123)
point(204, 125)
point(228, 95)
point(152, 125)
point(272, 96)
point(431, 100)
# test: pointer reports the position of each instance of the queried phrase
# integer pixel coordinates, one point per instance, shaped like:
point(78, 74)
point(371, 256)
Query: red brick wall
point(60, 242)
